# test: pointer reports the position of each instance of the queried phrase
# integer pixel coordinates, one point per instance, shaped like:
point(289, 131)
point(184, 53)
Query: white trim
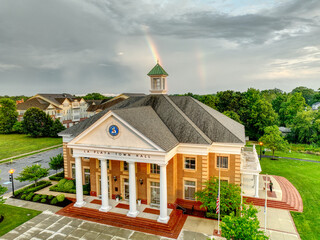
point(104, 118)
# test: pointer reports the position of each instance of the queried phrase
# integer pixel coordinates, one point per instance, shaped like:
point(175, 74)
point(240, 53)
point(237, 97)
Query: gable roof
point(157, 70)
point(33, 102)
point(188, 121)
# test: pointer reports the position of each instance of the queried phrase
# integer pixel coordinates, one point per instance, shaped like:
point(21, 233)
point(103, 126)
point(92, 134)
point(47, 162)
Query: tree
point(289, 109)
point(229, 101)
point(2, 191)
point(33, 173)
point(38, 124)
point(95, 96)
point(17, 128)
point(245, 226)
point(230, 198)
point(272, 139)
point(56, 128)
point(307, 93)
point(232, 115)
point(257, 113)
point(56, 162)
point(8, 115)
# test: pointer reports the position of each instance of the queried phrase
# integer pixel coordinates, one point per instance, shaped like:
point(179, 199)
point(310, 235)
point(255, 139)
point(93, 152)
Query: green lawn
point(15, 144)
point(14, 216)
point(293, 154)
point(305, 176)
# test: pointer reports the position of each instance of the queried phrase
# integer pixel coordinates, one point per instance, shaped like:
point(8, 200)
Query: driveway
point(18, 165)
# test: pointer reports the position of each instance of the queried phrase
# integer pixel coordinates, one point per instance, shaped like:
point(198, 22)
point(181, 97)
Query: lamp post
point(260, 143)
point(11, 180)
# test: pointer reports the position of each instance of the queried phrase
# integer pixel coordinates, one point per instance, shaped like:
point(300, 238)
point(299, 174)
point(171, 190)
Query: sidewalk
point(29, 153)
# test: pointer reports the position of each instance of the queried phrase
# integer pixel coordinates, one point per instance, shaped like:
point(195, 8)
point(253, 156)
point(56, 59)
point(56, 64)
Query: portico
point(124, 156)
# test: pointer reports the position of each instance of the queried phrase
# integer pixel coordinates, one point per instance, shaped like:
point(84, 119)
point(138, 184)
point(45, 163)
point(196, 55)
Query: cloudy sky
point(81, 46)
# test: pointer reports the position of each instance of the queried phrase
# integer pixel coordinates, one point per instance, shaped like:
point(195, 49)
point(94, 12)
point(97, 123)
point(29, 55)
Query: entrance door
point(126, 188)
point(155, 194)
point(109, 190)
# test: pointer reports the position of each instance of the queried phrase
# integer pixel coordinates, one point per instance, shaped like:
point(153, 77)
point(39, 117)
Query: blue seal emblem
point(113, 130)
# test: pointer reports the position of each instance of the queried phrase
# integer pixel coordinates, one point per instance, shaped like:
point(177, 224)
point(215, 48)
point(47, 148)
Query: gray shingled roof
point(147, 122)
point(187, 119)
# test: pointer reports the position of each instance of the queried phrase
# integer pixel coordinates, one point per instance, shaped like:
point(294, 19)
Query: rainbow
point(152, 46)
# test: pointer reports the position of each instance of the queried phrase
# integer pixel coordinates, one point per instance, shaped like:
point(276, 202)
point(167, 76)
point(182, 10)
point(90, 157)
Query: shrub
point(50, 197)
point(54, 201)
point(29, 197)
point(44, 196)
point(23, 196)
point(57, 177)
point(36, 198)
point(43, 200)
point(62, 182)
point(60, 197)
point(32, 188)
point(68, 185)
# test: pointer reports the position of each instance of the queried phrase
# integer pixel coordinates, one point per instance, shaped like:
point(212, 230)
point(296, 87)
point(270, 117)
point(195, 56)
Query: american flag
point(218, 203)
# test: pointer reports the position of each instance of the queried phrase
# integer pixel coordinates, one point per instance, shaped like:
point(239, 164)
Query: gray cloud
point(95, 45)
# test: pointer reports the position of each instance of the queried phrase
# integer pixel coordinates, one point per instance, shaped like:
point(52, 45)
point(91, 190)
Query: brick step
point(270, 203)
point(290, 194)
point(125, 221)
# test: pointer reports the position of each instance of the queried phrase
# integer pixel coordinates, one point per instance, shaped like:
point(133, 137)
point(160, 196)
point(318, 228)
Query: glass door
point(126, 188)
point(155, 194)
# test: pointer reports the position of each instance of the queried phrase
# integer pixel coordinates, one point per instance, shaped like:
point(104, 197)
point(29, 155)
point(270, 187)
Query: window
point(73, 170)
point(86, 176)
point(154, 168)
point(190, 163)
point(125, 166)
point(189, 190)
point(223, 161)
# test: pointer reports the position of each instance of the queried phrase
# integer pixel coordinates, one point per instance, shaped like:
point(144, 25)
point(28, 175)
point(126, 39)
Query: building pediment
point(112, 132)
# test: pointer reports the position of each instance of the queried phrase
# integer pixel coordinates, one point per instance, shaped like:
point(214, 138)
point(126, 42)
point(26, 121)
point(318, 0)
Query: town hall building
point(155, 148)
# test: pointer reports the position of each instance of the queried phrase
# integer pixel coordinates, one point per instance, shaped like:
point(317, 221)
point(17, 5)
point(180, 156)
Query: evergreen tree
point(8, 115)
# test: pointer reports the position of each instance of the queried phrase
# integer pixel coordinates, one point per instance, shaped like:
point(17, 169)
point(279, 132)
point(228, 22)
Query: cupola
point(158, 80)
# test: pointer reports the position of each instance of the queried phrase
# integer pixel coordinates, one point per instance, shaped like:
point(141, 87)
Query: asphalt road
point(18, 165)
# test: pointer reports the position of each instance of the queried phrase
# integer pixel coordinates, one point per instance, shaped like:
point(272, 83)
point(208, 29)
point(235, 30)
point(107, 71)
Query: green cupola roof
point(157, 70)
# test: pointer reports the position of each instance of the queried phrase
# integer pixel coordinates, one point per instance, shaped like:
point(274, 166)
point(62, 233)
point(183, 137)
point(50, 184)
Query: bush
point(56, 188)
point(29, 197)
point(23, 196)
point(44, 196)
point(62, 182)
point(36, 198)
point(54, 201)
point(32, 188)
point(50, 197)
point(43, 200)
point(60, 197)
point(68, 185)
point(57, 177)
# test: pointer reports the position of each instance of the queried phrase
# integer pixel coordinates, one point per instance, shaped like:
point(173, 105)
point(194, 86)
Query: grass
point(14, 216)
point(305, 177)
point(16, 144)
point(295, 148)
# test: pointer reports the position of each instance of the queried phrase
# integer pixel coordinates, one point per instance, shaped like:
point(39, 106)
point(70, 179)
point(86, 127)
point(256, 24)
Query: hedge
point(32, 188)
point(57, 177)
point(68, 186)
point(60, 197)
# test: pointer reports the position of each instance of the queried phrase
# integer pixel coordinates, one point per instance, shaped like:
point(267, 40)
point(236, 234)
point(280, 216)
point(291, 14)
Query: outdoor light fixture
point(260, 143)
point(141, 181)
point(115, 178)
point(11, 171)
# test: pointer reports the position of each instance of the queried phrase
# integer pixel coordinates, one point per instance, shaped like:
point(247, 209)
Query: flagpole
point(219, 197)
point(265, 206)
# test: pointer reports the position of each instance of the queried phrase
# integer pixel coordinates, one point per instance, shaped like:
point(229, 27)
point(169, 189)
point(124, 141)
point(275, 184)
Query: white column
point(79, 189)
point(163, 218)
point(132, 191)
point(256, 183)
point(105, 207)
